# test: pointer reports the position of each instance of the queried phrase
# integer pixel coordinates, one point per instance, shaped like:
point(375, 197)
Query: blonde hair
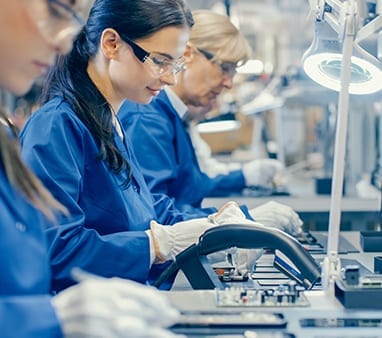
point(217, 34)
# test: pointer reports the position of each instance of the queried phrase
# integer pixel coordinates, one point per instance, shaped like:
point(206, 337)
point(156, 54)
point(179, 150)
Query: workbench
point(322, 305)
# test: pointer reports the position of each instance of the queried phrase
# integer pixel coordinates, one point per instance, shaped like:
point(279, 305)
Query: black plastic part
point(358, 297)
point(378, 264)
point(371, 241)
point(197, 269)
point(194, 263)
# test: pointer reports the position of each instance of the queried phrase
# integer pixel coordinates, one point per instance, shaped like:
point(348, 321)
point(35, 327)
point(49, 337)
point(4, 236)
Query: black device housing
point(194, 263)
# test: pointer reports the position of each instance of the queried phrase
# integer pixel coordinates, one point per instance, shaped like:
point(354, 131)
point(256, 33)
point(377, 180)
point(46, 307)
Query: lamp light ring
point(325, 68)
point(322, 62)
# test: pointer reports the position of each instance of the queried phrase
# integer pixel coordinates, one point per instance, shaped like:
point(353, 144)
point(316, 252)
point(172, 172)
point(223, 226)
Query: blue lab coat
point(159, 137)
point(25, 308)
point(105, 231)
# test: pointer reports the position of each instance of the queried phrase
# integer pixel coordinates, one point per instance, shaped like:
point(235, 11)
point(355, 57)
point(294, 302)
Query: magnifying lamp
point(322, 62)
point(348, 69)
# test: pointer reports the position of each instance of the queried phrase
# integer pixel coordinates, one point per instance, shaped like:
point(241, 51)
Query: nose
point(169, 79)
point(227, 81)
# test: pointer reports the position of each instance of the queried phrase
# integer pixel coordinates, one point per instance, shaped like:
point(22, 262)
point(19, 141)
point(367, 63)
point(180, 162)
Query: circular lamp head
point(322, 63)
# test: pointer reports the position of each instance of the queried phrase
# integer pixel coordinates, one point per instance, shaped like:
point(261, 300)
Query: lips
point(43, 67)
point(154, 91)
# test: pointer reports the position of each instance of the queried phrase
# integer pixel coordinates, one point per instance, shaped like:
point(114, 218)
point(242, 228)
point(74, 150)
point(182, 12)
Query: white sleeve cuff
point(152, 249)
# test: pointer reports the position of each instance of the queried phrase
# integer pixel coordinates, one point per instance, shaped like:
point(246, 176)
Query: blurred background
point(283, 113)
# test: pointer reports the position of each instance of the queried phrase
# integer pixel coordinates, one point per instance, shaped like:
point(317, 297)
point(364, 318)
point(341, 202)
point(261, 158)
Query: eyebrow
point(164, 54)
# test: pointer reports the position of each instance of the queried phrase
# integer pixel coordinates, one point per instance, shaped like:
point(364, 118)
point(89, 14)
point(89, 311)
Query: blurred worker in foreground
point(161, 140)
point(32, 32)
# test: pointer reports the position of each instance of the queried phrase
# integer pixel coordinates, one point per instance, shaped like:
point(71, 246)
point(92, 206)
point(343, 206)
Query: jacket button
point(21, 227)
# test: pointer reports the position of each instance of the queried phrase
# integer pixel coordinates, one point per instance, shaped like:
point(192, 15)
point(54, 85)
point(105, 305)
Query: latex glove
point(277, 215)
point(229, 213)
point(245, 259)
point(261, 172)
point(113, 307)
point(219, 257)
point(169, 240)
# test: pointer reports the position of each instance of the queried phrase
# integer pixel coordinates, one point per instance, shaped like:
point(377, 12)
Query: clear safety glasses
point(56, 19)
point(160, 64)
point(227, 68)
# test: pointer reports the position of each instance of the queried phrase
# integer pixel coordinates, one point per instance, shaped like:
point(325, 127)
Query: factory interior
point(151, 233)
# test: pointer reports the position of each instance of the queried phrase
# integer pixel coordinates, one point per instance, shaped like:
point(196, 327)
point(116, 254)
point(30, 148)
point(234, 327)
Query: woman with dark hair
point(32, 32)
point(161, 131)
point(75, 144)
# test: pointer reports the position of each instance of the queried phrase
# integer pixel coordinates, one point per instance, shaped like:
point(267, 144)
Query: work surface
point(323, 309)
point(357, 213)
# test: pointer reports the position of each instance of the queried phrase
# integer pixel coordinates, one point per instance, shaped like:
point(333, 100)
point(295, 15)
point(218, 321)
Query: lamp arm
point(335, 4)
point(331, 266)
point(341, 17)
point(373, 27)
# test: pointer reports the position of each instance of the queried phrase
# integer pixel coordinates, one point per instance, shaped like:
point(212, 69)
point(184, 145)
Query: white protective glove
point(262, 172)
point(243, 259)
point(228, 213)
point(100, 307)
point(277, 215)
point(169, 240)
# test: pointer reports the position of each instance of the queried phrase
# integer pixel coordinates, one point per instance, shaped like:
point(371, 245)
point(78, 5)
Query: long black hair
point(69, 79)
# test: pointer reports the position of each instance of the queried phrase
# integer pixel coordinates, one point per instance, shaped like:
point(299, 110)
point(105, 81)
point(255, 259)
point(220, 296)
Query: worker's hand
point(262, 172)
point(113, 307)
point(169, 240)
point(277, 215)
point(229, 213)
point(245, 259)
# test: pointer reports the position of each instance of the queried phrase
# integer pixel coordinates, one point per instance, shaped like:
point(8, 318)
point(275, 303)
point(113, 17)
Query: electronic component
point(371, 240)
point(229, 274)
point(352, 275)
point(285, 265)
point(285, 295)
point(377, 264)
point(232, 322)
point(367, 294)
point(371, 281)
point(341, 322)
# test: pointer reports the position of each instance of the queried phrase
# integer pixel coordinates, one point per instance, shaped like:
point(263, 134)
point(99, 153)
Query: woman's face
point(203, 80)
point(141, 81)
point(32, 33)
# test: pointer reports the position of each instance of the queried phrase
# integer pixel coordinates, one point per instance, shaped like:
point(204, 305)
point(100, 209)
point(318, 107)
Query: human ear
point(110, 43)
point(189, 53)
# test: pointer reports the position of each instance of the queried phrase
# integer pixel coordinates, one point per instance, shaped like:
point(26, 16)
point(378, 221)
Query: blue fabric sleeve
point(28, 317)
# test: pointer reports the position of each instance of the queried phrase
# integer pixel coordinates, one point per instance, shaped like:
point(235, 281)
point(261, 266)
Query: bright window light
point(252, 66)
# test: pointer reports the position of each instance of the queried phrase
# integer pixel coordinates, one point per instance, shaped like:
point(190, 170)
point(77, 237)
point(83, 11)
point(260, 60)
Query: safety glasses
point(160, 64)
